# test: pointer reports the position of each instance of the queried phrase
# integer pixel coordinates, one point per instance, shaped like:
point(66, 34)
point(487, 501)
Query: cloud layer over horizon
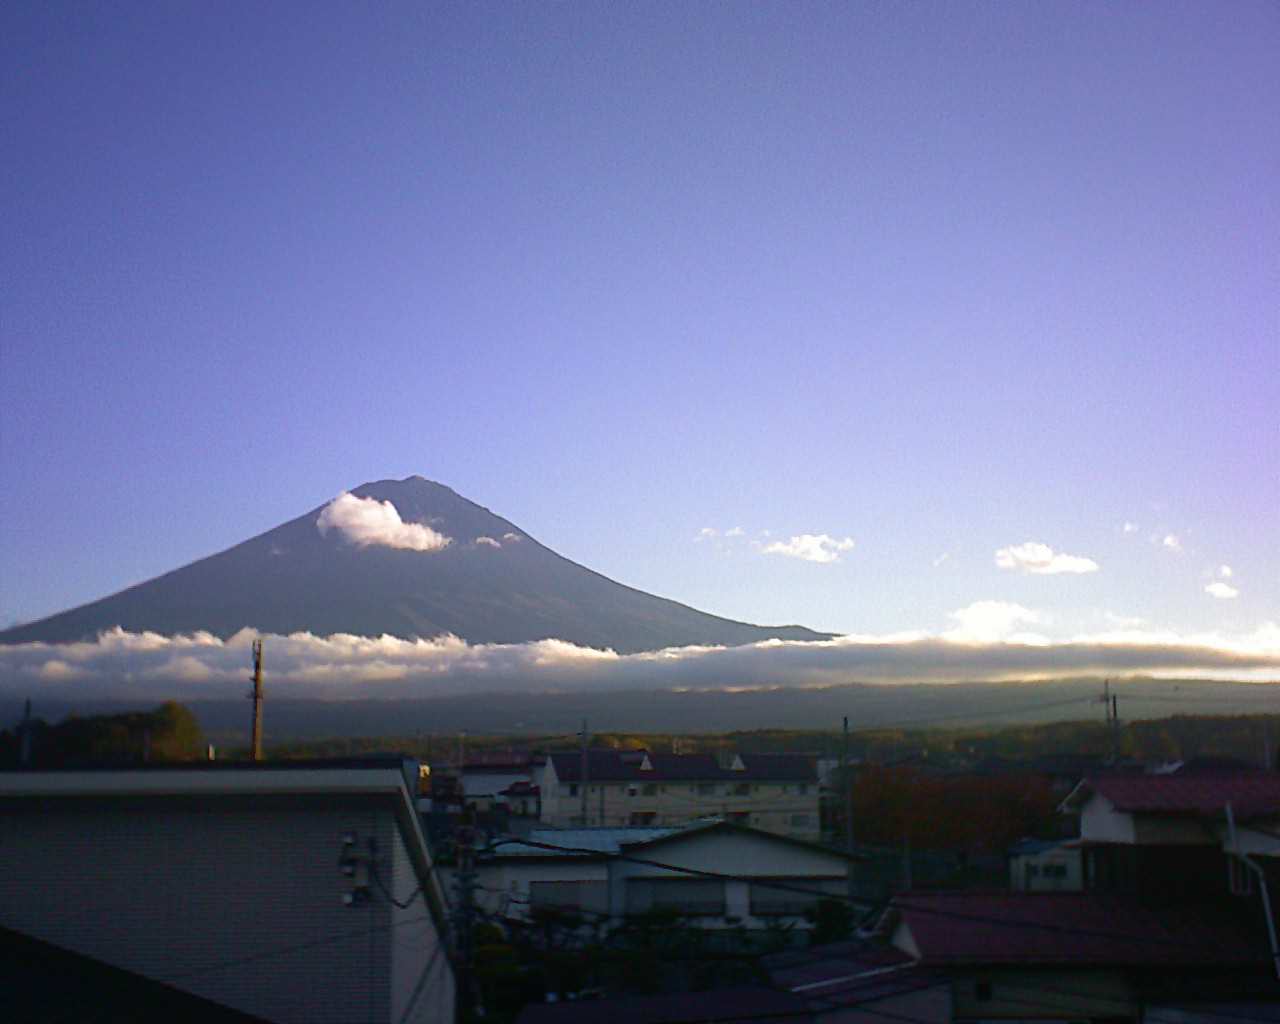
point(120, 664)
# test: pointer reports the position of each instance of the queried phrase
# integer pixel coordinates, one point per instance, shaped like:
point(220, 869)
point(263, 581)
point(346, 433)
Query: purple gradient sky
point(940, 278)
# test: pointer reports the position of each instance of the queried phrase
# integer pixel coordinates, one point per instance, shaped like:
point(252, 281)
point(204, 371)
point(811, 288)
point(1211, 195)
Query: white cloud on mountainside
point(148, 666)
point(1040, 559)
point(367, 521)
point(811, 547)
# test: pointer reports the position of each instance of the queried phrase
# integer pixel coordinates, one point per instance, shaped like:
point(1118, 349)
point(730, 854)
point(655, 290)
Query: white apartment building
point(773, 792)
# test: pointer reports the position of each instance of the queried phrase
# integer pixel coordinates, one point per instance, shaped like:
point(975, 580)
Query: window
point(632, 789)
point(799, 821)
point(590, 896)
point(697, 896)
point(803, 790)
point(1055, 871)
point(650, 789)
point(573, 789)
point(643, 817)
point(742, 789)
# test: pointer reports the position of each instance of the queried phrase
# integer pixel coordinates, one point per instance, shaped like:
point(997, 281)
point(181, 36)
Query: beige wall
point(784, 808)
point(238, 901)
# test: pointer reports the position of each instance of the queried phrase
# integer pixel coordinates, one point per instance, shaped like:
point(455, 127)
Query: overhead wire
point(914, 907)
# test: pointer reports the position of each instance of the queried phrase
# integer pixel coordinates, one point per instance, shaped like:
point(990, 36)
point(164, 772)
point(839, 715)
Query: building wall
point(923, 1006)
point(1100, 822)
point(238, 903)
point(505, 882)
point(1043, 993)
point(1056, 870)
point(743, 856)
point(422, 981)
point(784, 808)
point(489, 783)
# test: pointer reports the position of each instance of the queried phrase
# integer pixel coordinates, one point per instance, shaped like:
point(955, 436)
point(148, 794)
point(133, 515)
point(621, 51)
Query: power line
point(906, 905)
point(377, 878)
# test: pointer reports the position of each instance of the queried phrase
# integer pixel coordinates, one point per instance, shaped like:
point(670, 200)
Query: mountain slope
point(505, 589)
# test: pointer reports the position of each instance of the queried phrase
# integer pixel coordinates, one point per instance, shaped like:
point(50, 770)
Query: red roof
point(1073, 928)
point(1250, 794)
point(756, 1005)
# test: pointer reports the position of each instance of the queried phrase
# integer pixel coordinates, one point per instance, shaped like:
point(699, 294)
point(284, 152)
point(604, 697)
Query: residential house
point(716, 874)
point(1046, 865)
point(857, 983)
point(843, 983)
point(1169, 838)
point(723, 1006)
point(1074, 956)
point(609, 788)
point(485, 782)
point(522, 798)
point(289, 891)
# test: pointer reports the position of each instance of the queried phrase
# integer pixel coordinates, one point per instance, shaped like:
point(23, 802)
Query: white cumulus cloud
point(811, 547)
point(986, 622)
point(367, 521)
point(509, 536)
point(1225, 572)
point(1129, 527)
point(1034, 557)
point(488, 542)
point(1172, 542)
point(707, 533)
point(1222, 591)
point(737, 531)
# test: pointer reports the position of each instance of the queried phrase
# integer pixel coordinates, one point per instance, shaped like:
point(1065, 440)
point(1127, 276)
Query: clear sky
point(939, 279)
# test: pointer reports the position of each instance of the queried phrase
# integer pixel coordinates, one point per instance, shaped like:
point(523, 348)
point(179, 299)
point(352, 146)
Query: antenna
point(256, 697)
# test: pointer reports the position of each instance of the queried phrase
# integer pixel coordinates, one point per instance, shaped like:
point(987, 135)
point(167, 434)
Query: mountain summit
point(412, 558)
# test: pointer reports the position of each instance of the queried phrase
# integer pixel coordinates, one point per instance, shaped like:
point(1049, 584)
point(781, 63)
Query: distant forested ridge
point(1180, 737)
point(169, 733)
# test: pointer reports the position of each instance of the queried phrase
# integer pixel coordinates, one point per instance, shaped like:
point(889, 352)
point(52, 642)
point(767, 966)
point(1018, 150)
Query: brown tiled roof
point(1073, 928)
point(1250, 793)
point(757, 1005)
point(848, 973)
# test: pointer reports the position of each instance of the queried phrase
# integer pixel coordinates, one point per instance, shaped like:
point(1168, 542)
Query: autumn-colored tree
point(978, 814)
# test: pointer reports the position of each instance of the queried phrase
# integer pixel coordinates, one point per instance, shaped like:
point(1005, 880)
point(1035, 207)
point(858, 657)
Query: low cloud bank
point(124, 665)
point(368, 521)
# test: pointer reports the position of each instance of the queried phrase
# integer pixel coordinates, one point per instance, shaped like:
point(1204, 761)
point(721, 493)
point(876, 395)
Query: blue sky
point(940, 279)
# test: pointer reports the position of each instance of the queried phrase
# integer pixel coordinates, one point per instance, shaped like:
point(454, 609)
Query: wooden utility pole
point(846, 773)
point(583, 782)
point(256, 753)
point(1115, 729)
point(1109, 705)
point(24, 730)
